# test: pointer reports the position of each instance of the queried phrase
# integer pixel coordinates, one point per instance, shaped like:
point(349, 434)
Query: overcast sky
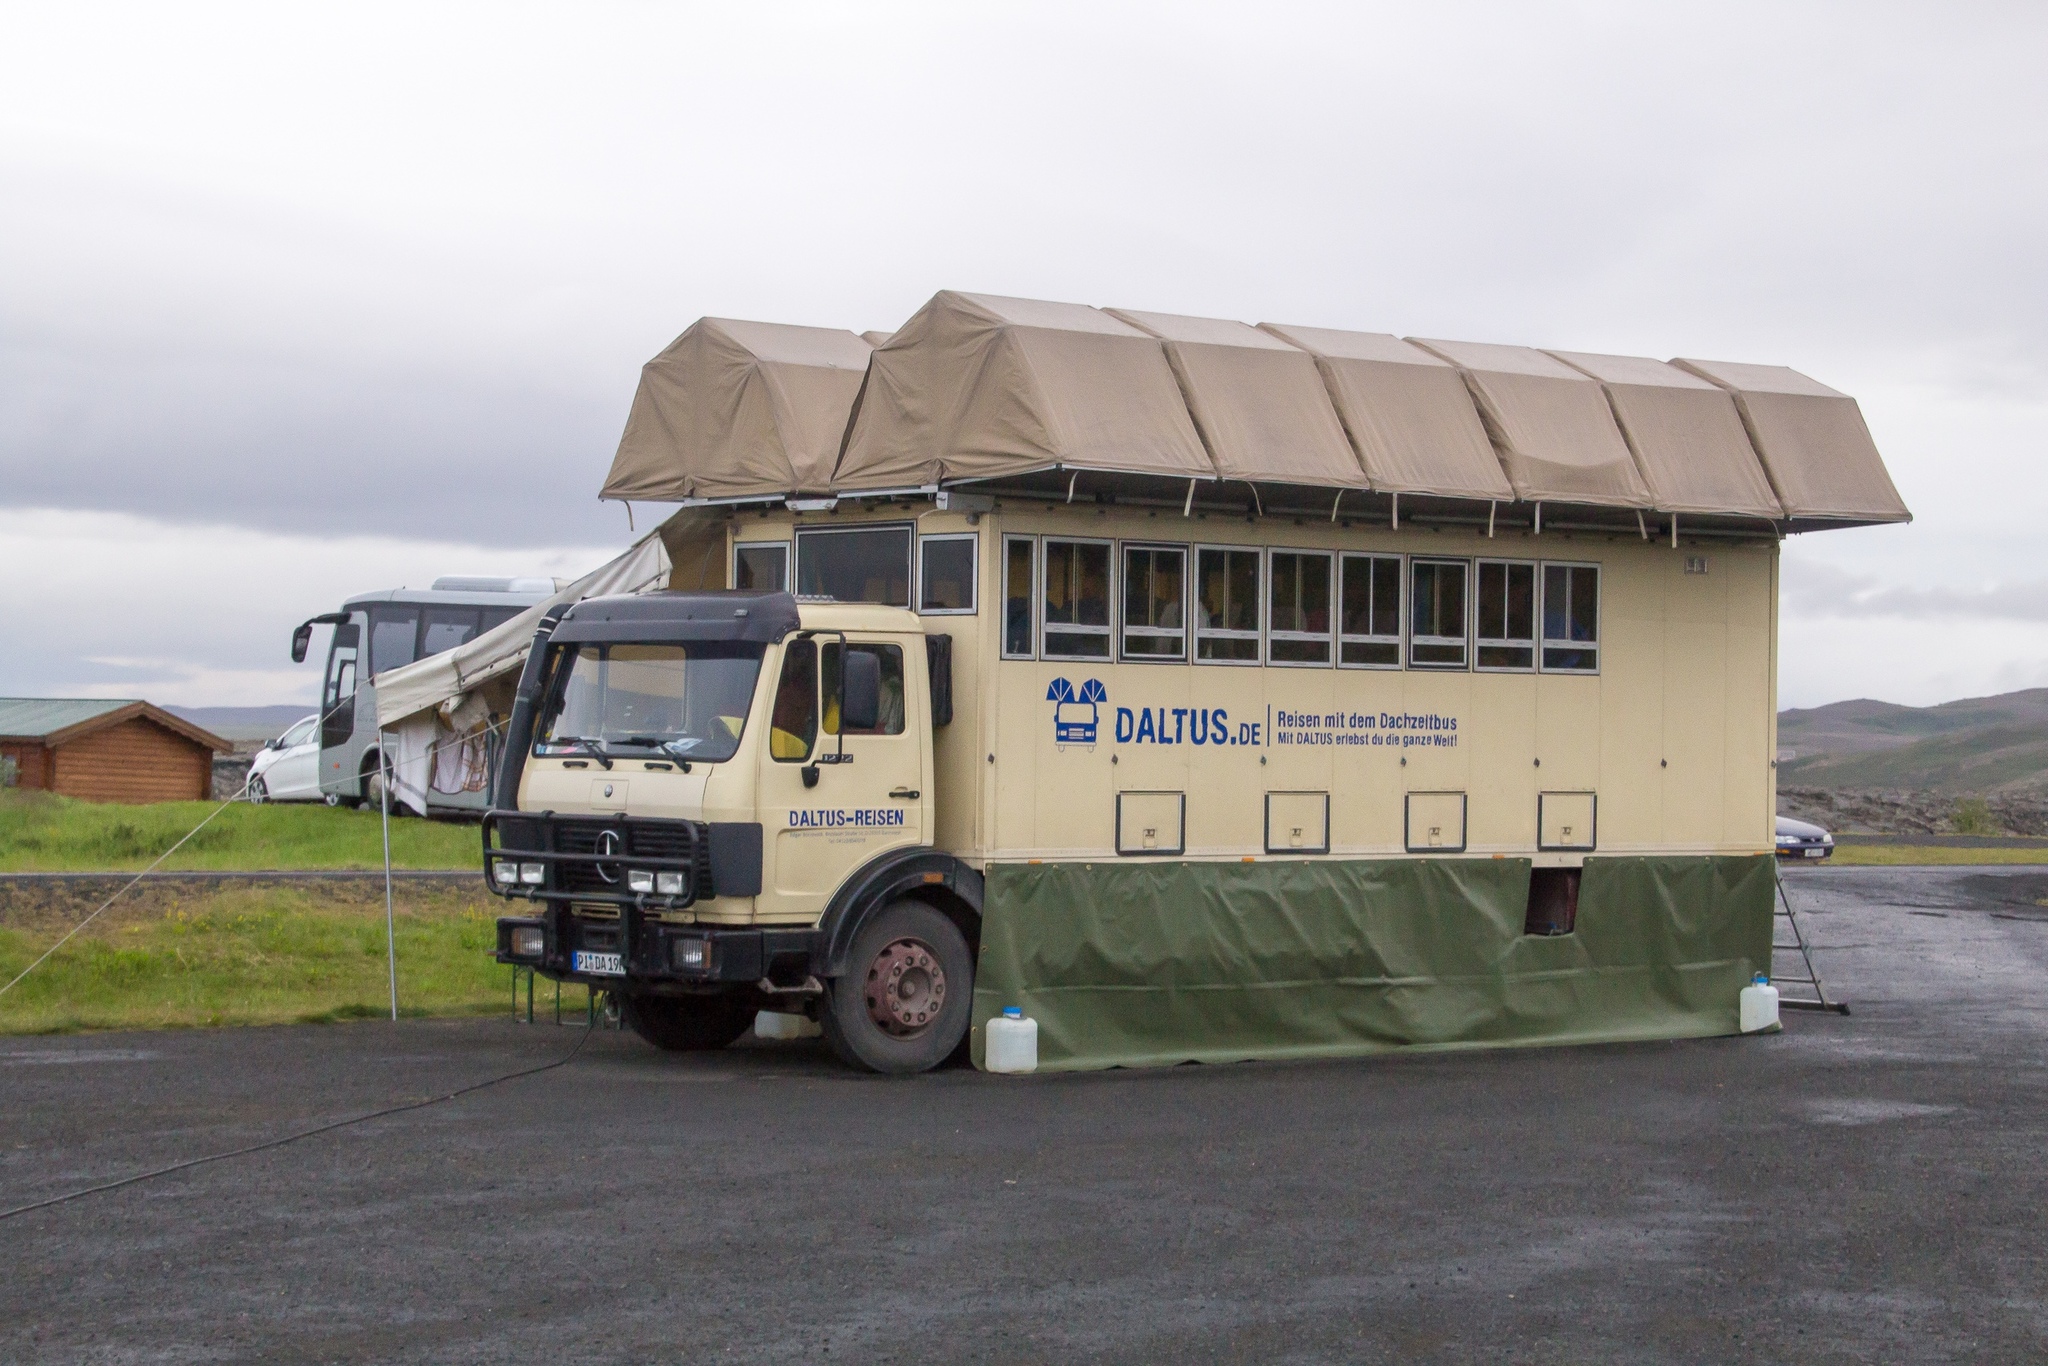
point(297, 301)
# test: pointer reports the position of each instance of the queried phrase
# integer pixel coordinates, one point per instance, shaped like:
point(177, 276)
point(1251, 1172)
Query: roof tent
point(739, 409)
point(1407, 413)
point(976, 386)
point(1687, 436)
point(1813, 442)
point(1257, 401)
point(1550, 424)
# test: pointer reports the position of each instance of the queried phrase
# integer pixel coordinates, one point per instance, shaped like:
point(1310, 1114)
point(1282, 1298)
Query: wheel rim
point(906, 988)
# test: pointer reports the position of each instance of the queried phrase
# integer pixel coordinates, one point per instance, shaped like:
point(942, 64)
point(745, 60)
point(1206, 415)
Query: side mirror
point(301, 638)
point(860, 691)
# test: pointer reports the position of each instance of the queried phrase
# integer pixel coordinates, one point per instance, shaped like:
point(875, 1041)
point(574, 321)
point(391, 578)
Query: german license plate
point(1816, 853)
point(599, 964)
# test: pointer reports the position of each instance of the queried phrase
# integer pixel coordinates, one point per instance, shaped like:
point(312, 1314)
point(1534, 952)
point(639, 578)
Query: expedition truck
point(656, 739)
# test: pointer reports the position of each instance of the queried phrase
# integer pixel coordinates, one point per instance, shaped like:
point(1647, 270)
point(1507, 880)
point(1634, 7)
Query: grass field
point(42, 833)
point(1909, 855)
point(251, 955)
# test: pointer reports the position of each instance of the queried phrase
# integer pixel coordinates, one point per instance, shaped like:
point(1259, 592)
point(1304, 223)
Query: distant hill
point(1980, 745)
point(244, 723)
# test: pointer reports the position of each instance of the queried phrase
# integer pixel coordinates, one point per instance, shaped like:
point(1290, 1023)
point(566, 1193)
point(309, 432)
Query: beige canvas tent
point(1550, 424)
point(1688, 438)
point(977, 386)
point(736, 409)
point(1407, 413)
point(1813, 441)
point(1257, 400)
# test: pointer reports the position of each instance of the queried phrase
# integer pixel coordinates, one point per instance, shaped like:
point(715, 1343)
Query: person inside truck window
point(889, 718)
point(793, 725)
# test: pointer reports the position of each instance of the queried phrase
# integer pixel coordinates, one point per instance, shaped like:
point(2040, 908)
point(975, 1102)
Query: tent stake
point(1489, 518)
point(1187, 509)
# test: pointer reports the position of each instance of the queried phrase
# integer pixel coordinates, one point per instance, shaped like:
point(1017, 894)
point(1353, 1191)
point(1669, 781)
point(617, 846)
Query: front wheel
point(687, 1024)
point(904, 1003)
point(259, 791)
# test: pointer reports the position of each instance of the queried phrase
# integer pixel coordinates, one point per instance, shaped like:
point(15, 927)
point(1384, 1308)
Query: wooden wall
point(31, 762)
point(135, 761)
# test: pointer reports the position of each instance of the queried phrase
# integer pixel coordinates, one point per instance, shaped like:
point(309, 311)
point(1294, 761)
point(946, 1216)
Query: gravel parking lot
point(1870, 1188)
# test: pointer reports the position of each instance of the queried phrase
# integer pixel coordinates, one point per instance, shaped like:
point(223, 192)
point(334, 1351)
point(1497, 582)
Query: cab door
point(817, 834)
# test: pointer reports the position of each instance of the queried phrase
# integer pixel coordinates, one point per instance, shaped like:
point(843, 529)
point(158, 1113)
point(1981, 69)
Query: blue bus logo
point(1075, 715)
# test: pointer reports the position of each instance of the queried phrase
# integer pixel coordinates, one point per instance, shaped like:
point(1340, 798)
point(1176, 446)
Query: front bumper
point(1814, 850)
point(656, 954)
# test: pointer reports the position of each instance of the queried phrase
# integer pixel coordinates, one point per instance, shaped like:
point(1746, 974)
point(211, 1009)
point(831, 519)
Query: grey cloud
point(1818, 590)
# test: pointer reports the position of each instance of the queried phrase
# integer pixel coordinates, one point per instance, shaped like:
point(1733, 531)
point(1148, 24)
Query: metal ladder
point(1811, 980)
point(600, 1010)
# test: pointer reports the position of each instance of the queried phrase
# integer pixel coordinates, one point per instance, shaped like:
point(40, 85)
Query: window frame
point(1399, 639)
point(1599, 625)
point(909, 530)
point(1030, 542)
point(1479, 641)
point(1046, 625)
point(1328, 638)
point(1464, 665)
point(788, 549)
point(973, 606)
point(1257, 635)
point(1185, 632)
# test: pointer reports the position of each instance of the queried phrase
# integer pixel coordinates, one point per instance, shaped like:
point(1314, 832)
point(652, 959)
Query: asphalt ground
point(1869, 1188)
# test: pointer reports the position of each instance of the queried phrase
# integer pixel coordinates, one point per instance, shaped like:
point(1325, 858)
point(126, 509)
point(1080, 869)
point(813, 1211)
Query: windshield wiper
point(587, 746)
point(678, 750)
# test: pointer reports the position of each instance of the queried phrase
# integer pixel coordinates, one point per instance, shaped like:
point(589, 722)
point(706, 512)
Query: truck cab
point(716, 802)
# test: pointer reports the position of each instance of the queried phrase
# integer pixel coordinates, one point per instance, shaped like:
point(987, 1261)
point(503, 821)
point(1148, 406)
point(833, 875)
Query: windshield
point(686, 701)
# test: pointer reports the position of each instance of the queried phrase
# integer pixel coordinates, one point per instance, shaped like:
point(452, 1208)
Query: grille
point(646, 841)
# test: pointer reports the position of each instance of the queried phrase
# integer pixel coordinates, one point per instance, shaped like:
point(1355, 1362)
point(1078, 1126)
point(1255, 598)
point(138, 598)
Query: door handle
point(908, 794)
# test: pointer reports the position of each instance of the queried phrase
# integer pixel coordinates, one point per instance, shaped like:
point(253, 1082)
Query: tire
point(905, 1001)
point(688, 1024)
point(376, 772)
point(259, 791)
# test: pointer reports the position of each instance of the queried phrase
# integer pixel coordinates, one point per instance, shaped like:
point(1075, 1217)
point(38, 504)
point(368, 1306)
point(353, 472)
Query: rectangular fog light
point(505, 871)
point(690, 955)
point(639, 880)
point(528, 941)
point(533, 874)
point(669, 884)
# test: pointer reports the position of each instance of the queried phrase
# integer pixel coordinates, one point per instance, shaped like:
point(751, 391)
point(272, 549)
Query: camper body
point(1181, 782)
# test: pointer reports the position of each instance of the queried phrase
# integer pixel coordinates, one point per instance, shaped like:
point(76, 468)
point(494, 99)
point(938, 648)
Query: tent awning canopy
point(977, 386)
point(1407, 413)
point(733, 408)
point(1040, 399)
point(1813, 442)
point(1550, 425)
point(1687, 436)
point(1257, 400)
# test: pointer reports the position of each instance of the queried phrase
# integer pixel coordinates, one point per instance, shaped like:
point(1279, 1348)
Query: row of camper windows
point(1300, 608)
point(1305, 608)
point(866, 564)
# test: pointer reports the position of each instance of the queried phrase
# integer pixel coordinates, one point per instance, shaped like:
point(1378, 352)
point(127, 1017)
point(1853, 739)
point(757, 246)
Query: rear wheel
point(904, 1002)
point(688, 1024)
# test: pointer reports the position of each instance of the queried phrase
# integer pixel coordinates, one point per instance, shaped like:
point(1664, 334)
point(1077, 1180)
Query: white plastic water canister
point(776, 1024)
point(1759, 1006)
point(1012, 1042)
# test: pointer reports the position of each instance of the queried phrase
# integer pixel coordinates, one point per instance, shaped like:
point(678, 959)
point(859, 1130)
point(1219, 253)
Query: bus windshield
point(685, 701)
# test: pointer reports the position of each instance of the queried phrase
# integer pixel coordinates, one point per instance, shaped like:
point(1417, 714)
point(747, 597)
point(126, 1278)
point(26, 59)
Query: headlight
point(690, 955)
point(528, 941)
point(669, 884)
point(639, 880)
point(533, 874)
point(505, 871)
